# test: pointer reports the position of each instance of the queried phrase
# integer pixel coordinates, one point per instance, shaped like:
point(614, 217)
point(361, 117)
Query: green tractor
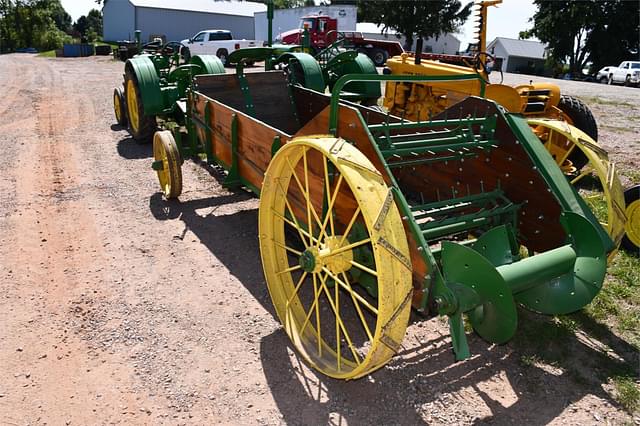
point(155, 86)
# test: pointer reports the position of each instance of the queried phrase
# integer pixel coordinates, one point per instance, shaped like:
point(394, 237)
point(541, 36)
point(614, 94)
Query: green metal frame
point(350, 78)
point(487, 277)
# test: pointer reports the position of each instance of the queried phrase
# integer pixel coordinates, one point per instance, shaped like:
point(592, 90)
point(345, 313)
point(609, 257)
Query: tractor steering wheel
point(480, 64)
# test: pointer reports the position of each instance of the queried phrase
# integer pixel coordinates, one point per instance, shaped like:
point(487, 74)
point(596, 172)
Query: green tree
point(416, 19)
point(89, 26)
point(614, 38)
point(32, 23)
point(578, 32)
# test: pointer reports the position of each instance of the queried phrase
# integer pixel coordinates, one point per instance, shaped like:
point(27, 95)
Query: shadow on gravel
point(131, 150)
point(425, 385)
point(231, 235)
point(547, 366)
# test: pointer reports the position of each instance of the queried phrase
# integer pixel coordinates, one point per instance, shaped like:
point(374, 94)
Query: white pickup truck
point(628, 73)
point(215, 42)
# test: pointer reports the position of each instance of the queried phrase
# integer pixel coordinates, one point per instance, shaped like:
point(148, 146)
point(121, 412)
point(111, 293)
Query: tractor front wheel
point(167, 164)
point(141, 126)
point(119, 107)
point(335, 256)
point(579, 115)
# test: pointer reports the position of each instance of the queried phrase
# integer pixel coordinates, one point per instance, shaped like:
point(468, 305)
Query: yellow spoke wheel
point(631, 241)
point(118, 107)
point(607, 201)
point(335, 256)
point(165, 151)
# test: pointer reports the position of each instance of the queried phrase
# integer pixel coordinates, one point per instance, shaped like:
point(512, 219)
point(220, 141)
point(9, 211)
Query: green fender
point(345, 63)
point(148, 83)
point(209, 64)
point(308, 66)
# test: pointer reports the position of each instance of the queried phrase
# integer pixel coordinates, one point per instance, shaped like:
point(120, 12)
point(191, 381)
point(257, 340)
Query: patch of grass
point(48, 54)
point(529, 360)
point(633, 175)
point(627, 393)
point(618, 303)
point(600, 101)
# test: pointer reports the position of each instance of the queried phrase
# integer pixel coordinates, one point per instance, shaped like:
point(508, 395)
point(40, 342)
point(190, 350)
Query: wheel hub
point(327, 255)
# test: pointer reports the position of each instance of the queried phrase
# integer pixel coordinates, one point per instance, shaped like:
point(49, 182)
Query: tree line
point(578, 33)
point(44, 25)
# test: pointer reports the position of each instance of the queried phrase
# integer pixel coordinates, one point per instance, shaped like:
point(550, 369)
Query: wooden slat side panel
point(254, 147)
point(223, 88)
point(272, 104)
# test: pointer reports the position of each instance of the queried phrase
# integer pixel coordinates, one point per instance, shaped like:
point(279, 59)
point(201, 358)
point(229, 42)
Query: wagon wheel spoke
point(311, 212)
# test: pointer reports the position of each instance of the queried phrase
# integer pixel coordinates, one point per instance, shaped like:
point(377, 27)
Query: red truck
point(323, 30)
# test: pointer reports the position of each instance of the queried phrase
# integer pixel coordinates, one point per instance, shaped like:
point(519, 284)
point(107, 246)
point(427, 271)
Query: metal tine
point(421, 198)
point(438, 194)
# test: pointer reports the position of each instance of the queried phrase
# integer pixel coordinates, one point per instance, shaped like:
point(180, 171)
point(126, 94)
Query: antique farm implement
point(364, 216)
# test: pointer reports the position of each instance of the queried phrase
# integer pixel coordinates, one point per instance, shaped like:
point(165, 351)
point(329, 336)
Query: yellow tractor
point(421, 101)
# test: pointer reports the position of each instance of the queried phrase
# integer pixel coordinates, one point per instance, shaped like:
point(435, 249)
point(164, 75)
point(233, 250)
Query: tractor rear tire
point(186, 54)
point(631, 240)
point(141, 126)
point(119, 107)
point(580, 116)
point(378, 56)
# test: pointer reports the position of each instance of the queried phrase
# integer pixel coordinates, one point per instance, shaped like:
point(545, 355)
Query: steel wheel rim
point(117, 107)
point(160, 154)
point(598, 164)
point(318, 289)
point(632, 227)
point(132, 104)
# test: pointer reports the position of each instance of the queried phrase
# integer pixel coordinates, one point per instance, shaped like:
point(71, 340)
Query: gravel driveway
point(117, 307)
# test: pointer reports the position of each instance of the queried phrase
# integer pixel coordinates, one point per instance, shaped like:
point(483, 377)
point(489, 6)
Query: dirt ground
point(117, 307)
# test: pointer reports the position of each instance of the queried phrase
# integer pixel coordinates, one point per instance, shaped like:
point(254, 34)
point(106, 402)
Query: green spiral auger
point(489, 278)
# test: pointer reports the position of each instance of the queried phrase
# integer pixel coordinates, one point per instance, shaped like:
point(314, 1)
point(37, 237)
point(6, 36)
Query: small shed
point(177, 19)
point(447, 44)
point(519, 56)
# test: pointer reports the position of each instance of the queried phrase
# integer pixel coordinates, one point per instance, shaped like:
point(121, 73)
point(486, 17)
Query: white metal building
point(177, 19)
point(289, 19)
point(521, 56)
point(446, 43)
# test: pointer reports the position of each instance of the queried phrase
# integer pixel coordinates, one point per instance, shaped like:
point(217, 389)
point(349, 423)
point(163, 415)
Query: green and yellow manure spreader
point(364, 216)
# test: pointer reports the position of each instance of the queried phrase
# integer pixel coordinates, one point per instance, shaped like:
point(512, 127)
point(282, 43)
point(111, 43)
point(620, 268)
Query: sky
point(77, 8)
point(505, 20)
